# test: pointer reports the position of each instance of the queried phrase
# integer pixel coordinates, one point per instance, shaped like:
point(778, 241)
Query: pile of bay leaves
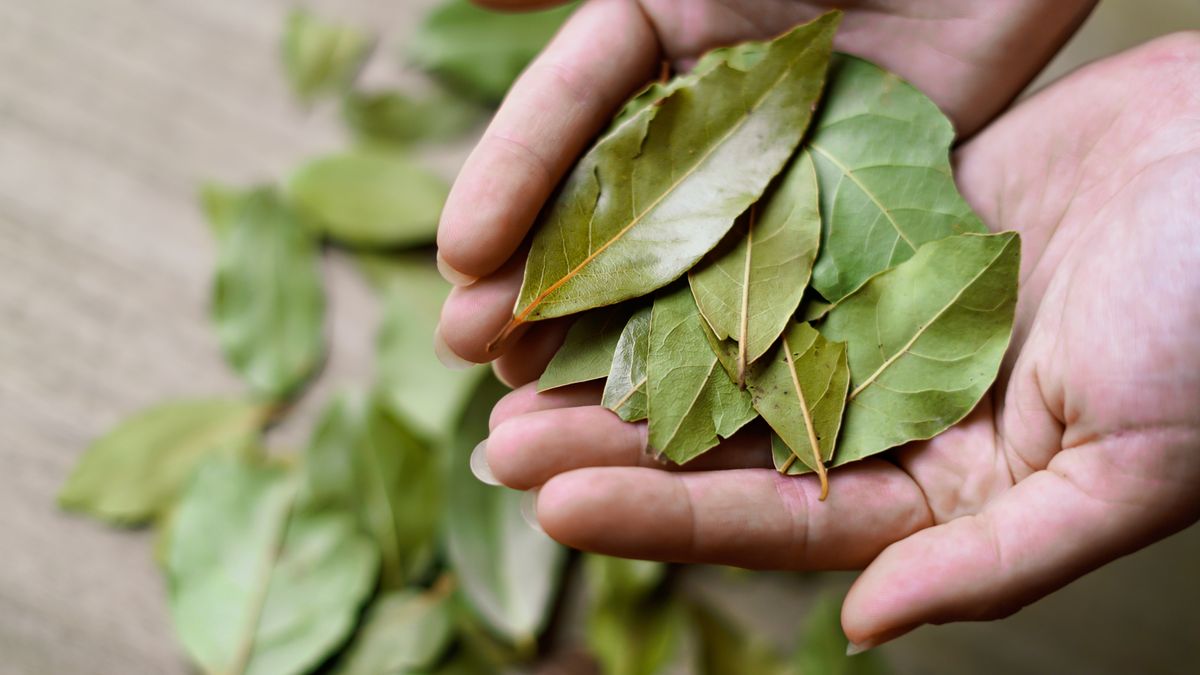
point(837, 285)
point(374, 550)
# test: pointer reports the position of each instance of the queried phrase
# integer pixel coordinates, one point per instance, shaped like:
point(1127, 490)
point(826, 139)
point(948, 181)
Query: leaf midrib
point(849, 173)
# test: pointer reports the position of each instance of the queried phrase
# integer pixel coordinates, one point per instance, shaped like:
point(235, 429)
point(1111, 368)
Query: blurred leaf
point(320, 57)
point(268, 301)
point(630, 633)
point(135, 472)
point(369, 198)
point(364, 460)
point(481, 52)
point(259, 585)
point(416, 386)
point(403, 631)
point(823, 647)
point(625, 388)
point(726, 647)
point(400, 119)
point(220, 204)
point(587, 352)
point(509, 572)
point(621, 579)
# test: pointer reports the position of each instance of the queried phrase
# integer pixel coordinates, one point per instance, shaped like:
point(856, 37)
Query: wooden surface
point(110, 112)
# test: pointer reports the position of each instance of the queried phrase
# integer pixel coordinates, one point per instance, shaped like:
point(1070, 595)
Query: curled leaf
point(625, 388)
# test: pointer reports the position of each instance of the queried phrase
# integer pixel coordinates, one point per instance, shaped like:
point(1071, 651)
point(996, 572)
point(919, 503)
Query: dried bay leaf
point(257, 584)
point(882, 154)
point(134, 473)
point(658, 192)
point(320, 57)
point(625, 388)
point(402, 632)
point(268, 300)
point(925, 340)
point(397, 118)
point(691, 403)
point(749, 288)
point(587, 352)
point(369, 198)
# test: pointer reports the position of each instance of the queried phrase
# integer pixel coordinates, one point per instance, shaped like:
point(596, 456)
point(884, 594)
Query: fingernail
point(479, 464)
point(856, 649)
point(529, 509)
point(452, 275)
point(446, 355)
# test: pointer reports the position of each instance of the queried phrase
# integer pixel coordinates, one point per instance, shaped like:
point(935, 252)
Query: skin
point(1085, 450)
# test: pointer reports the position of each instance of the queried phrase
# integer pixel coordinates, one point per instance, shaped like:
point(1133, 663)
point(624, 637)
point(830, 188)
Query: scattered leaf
point(220, 204)
point(403, 631)
point(627, 630)
point(587, 352)
point(320, 57)
point(396, 118)
point(625, 389)
point(823, 646)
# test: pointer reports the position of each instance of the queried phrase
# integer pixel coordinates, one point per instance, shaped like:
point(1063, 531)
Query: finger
point(525, 451)
point(527, 399)
point(526, 360)
point(752, 518)
point(473, 315)
point(603, 52)
point(1045, 532)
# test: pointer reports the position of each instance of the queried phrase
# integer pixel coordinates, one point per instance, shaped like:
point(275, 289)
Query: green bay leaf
point(625, 388)
point(403, 631)
point(925, 340)
point(258, 585)
point(749, 287)
point(268, 300)
point(658, 192)
point(882, 154)
point(320, 57)
point(691, 402)
point(134, 473)
point(587, 352)
point(397, 118)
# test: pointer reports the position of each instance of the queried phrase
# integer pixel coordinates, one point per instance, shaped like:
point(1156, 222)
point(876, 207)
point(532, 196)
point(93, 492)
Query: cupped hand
point(1087, 449)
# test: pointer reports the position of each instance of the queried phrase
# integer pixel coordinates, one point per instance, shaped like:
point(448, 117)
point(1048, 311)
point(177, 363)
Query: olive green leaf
point(925, 340)
point(402, 632)
point(625, 389)
point(369, 198)
point(133, 473)
point(823, 645)
point(749, 287)
point(690, 401)
point(396, 118)
point(629, 630)
point(363, 459)
point(321, 57)
point(587, 352)
point(727, 646)
point(268, 303)
point(655, 194)
point(416, 386)
point(220, 204)
point(800, 390)
point(257, 584)
point(882, 152)
point(508, 572)
point(480, 52)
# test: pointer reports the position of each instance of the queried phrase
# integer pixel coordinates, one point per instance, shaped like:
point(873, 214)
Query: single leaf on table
point(587, 352)
point(882, 153)
point(480, 52)
point(402, 632)
point(365, 461)
point(509, 573)
point(749, 287)
point(659, 191)
point(800, 390)
point(925, 340)
point(691, 403)
point(625, 388)
point(320, 57)
point(257, 584)
point(397, 118)
point(369, 198)
point(268, 301)
point(823, 645)
point(134, 473)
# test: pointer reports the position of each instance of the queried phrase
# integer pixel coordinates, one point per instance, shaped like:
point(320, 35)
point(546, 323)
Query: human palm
point(1085, 450)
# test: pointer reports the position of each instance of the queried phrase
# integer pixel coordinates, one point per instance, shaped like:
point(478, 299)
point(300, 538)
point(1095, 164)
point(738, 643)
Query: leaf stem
point(818, 463)
point(745, 317)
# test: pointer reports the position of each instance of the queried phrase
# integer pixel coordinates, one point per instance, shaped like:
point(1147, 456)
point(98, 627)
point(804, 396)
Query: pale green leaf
point(268, 302)
point(220, 204)
point(587, 352)
point(133, 473)
point(625, 388)
point(629, 631)
point(480, 52)
point(658, 192)
point(363, 459)
point(320, 57)
point(823, 646)
point(508, 572)
point(749, 287)
point(257, 585)
point(925, 340)
point(369, 198)
point(691, 402)
point(401, 119)
point(882, 153)
point(402, 632)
